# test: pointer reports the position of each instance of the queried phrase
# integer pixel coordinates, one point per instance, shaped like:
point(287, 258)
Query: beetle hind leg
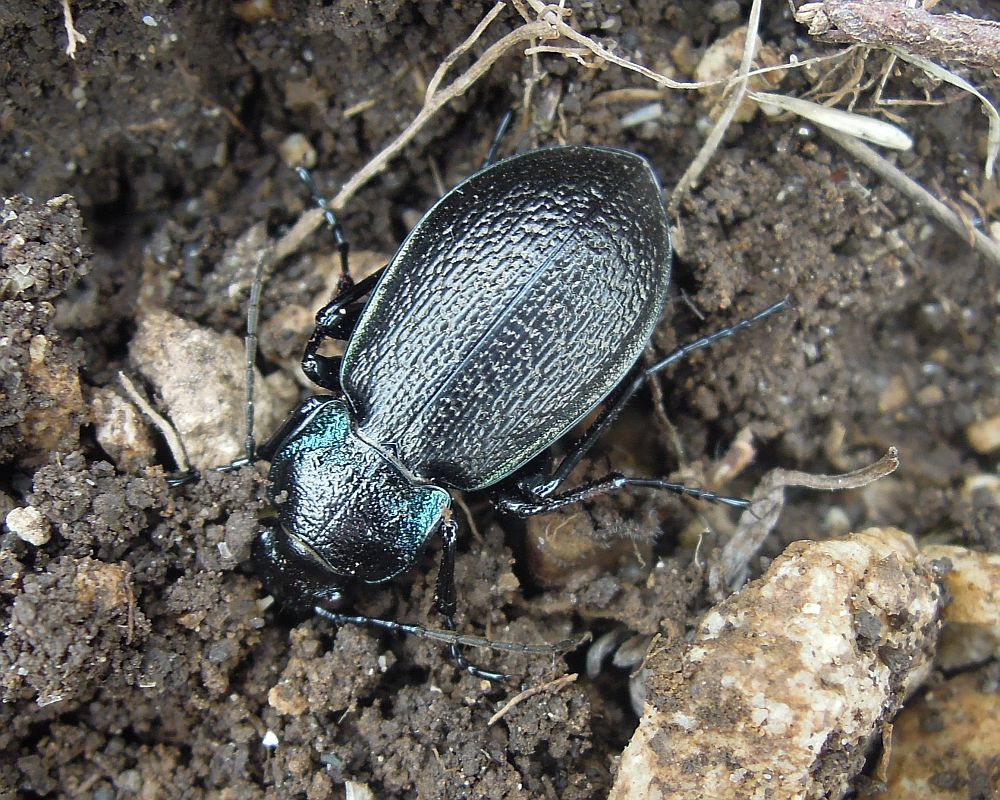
point(527, 503)
point(538, 494)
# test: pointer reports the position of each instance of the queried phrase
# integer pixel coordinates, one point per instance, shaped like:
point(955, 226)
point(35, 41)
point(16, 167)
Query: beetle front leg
point(336, 320)
point(446, 604)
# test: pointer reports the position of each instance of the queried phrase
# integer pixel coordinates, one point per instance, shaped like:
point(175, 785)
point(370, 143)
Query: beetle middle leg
point(538, 493)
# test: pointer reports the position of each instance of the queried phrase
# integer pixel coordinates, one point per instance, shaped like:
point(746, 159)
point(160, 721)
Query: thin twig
point(456, 88)
point(433, 103)
point(690, 177)
point(459, 501)
point(166, 429)
point(766, 503)
point(948, 37)
point(668, 433)
point(979, 241)
point(548, 25)
point(459, 51)
point(552, 15)
point(551, 686)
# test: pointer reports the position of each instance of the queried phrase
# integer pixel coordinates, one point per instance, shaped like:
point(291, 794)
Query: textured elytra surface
point(777, 211)
point(515, 306)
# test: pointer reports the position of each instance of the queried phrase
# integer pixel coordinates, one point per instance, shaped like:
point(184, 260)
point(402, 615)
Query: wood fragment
point(73, 36)
point(165, 427)
point(946, 37)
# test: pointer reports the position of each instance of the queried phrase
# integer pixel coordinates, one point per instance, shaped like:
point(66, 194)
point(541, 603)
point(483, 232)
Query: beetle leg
point(527, 503)
point(541, 486)
point(336, 320)
point(446, 604)
point(325, 370)
point(536, 494)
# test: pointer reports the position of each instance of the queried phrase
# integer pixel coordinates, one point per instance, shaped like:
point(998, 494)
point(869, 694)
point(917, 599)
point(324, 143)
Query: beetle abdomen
point(514, 307)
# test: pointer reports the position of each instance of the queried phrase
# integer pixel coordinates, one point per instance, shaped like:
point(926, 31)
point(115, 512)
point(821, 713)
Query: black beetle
point(520, 302)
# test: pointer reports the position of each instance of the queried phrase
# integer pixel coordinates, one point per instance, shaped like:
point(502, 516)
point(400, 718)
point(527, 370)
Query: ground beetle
point(519, 303)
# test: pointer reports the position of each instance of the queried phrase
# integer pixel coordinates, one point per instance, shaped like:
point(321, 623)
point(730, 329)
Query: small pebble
point(724, 11)
point(894, 396)
point(930, 395)
point(29, 525)
point(984, 436)
point(297, 151)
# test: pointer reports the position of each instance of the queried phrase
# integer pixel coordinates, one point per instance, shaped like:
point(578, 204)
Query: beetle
point(518, 304)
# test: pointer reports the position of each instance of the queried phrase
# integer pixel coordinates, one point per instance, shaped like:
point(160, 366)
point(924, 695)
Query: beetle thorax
point(348, 502)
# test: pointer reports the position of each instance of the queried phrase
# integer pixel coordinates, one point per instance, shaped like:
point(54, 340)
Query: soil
point(140, 654)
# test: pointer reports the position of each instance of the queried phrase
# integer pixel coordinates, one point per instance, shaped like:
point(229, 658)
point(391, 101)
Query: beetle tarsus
point(182, 478)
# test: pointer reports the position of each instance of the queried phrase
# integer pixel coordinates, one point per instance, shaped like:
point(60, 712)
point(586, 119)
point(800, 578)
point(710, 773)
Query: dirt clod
point(146, 178)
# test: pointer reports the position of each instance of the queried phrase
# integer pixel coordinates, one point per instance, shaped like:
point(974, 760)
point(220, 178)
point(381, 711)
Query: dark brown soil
point(138, 655)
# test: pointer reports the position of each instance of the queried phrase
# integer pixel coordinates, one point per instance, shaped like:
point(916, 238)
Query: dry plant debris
point(73, 36)
point(731, 569)
point(949, 37)
point(983, 244)
point(550, 23)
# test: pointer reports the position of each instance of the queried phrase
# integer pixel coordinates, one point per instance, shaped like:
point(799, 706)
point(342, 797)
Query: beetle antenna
point(450, 637)
point(331, 220)
point(253, 309)
point(250, 351)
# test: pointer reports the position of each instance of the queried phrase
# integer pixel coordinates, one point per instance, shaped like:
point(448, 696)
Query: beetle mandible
point(519, 303)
